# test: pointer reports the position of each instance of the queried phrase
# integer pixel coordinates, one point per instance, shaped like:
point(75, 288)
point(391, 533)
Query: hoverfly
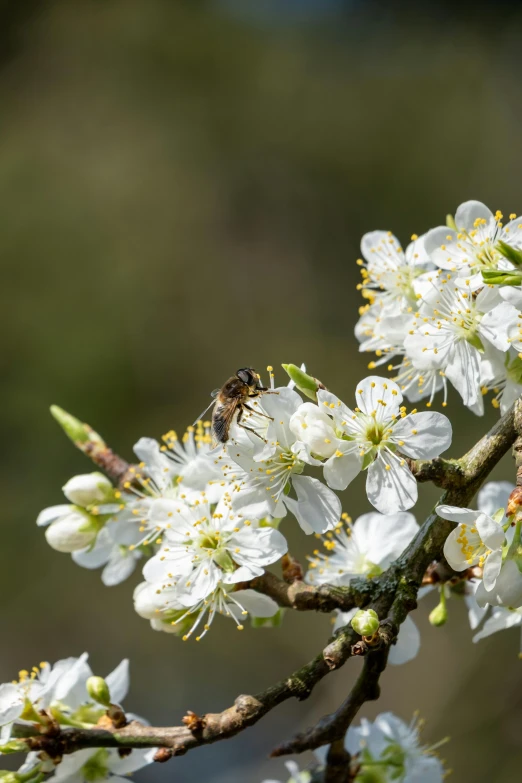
point(233, 398)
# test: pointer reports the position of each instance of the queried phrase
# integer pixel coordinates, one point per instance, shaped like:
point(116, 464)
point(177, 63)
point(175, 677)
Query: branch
point(321, 598)
point(443, 473)
point(393, 595)
point(246, 711)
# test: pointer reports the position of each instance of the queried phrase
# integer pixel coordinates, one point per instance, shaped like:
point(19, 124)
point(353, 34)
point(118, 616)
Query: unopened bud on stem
point(75, 429)
point(306, 384)
point(439, 615)
point(98, 690)
point(365, 622)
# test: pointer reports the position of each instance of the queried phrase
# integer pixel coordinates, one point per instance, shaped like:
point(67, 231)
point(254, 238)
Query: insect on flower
point(232, 398)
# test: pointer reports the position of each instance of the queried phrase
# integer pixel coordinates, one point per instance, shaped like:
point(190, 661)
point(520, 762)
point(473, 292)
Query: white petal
point(407, 645)
point(318, 507)
point(128, 764)
point(507, 590)
point(463, 371)
point(492, 568)
point(494, 325)
point(494, 495)
point(456, 514)
point(11, 703)
point(118, 681)
point(500, 620)
point(453, 551)
point(490, 532)
point(256, 604)
point(432, 434)
point(374, 388)
point(339, 471)
point(469, 212)
point(259, 546)
point(96, 556)
point(46, 516)
point(120, 566)
point(391, 490)
point(383, 537)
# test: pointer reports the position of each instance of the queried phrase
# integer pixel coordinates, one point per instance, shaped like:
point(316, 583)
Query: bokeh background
point(183, 187)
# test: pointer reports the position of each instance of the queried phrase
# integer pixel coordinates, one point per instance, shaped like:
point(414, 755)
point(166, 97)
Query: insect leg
point(244, 427)
point(258, 413)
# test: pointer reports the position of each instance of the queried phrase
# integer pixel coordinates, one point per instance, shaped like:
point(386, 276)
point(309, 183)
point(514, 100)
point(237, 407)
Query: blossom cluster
point(447, 308)
point(67, 694)
point(385, 750)
point(204, 516)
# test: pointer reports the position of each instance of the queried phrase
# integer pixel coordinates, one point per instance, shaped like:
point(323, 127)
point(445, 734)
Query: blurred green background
point(183, 188)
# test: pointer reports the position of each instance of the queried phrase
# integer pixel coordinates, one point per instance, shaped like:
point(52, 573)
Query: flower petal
point(341, 469)
point(393, 489)
point(490, 532)
point(373, 389)
point(46, 516)
point(318, 507)
point(456, 514)
point(424, 435)
point(408, 643)
point(118, 681)
point(256, 604)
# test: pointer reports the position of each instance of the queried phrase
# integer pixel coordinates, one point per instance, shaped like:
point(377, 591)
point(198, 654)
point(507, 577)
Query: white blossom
point(263, 472)
point(389, 273)
point(452, 331)
point(373, 436)
point(366, 547)
point(159, 602)
point(202, 547)
point(62, 688)
point(472, 247)
point(476, 541)
point(391, 748)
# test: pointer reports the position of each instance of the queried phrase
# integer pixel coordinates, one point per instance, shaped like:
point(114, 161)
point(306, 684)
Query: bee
point(233, 398)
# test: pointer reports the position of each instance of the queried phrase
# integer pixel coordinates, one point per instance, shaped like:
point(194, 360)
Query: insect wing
point(222, 419)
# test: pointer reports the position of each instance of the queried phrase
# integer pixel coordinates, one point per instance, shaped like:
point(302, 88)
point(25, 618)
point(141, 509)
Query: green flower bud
point(501, 277)
point(306, 384)
point(511, 253)
point(98, 690)
point(76, 430)
point(439, 615)
point(365, 622)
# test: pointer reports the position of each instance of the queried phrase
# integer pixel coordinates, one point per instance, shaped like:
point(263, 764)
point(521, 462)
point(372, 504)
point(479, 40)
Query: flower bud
point(501, 277)
point(306, 384)
point(87, 489)
point(439, 615)
point(76, 530)
point(315, 428)
point(365, 622)
point(75, 429)
point(146, 600)
point(98, 690)
point(509, 252)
